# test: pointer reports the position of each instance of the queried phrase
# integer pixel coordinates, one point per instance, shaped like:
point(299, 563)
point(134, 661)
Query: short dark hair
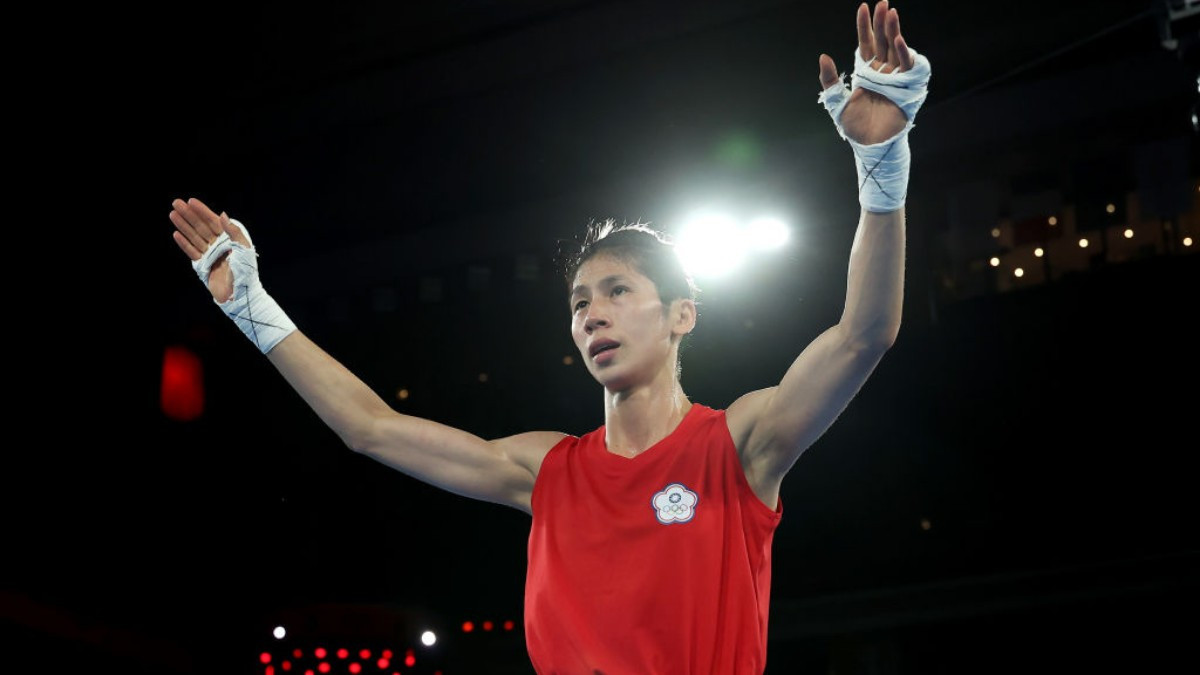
point(649, 251)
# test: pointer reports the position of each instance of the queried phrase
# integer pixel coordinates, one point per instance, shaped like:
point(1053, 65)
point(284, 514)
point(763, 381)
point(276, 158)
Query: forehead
point(601, 267)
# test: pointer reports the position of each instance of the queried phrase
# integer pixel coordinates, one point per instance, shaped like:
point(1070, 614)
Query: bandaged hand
point(875, 114)
point(224, 258)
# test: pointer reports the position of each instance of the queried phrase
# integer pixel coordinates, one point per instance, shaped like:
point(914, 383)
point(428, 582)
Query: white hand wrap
point(255, 313)
point(882, 167)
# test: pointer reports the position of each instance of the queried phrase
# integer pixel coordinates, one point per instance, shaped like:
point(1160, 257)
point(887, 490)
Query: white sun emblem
point(675, 504)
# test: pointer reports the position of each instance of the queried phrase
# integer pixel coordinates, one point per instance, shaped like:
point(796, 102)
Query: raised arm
point(773, 427)
point(500, 471)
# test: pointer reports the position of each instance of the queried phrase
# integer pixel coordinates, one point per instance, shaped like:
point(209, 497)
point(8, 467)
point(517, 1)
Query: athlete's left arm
point(773, 427)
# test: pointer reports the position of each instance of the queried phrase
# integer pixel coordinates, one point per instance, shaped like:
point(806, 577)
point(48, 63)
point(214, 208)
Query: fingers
point(880, 31)
point(199, 216)
point(866, 39)
point(198, 226)
point(185, 245)
point(196, 239)
point(907, 60)
point(829, 76)
point(892, 31)
point(206, 213)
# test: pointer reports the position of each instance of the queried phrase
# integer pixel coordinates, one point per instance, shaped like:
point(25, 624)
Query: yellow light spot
point(996, 232)
point(483, 377)
point(1129, 234)
point(1083, 243)
point(402, 394)
point(1187, 241)
point(1018, 272)
point(1039, 252)
point(925, 524)
point(567, 360)
point(994, 262)
point(1053, 220)
point(1111, 208)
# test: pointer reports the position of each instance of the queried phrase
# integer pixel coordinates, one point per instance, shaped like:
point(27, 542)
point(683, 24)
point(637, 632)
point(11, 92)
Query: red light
point(343, 653)
point(323, 667)
point(181, 396)
point(382, 663)
point(270, 670)
point(309, 672)
point(387, 653)
point(297, 654)
point(487, 625)
point(508, 625)
point(319, 652)
point(364, 654)
point(355, 668)
point(287, 665)
point(468, 626)
point(409, 659)
point(264, 657)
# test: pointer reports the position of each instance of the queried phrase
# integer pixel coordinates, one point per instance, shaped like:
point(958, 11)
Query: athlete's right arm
point(501, 471)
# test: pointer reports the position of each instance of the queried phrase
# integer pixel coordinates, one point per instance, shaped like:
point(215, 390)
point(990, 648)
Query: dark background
point(408, 171)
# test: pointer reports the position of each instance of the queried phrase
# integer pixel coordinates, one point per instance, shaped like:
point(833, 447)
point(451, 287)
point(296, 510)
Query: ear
point(683, 316)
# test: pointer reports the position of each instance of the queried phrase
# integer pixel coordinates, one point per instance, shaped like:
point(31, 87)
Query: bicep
point(785, 420)
point(498, 471)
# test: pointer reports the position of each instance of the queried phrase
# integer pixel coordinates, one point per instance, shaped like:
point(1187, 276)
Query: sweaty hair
point(649, 251)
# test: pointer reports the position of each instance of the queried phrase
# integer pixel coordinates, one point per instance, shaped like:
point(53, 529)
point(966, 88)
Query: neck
point(637, 418)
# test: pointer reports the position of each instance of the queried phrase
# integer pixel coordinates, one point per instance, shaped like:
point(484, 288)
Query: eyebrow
point(608, 280)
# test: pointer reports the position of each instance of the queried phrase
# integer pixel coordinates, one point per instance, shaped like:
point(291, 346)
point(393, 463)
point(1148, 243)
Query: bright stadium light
point(428, 638)
point(765, 234)
point(711, 245)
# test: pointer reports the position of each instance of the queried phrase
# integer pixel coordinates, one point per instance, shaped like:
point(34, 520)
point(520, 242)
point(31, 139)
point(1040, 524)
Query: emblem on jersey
point(675, 504)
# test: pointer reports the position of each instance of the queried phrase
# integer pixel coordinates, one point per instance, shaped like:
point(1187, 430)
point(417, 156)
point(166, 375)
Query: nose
point(596, 317)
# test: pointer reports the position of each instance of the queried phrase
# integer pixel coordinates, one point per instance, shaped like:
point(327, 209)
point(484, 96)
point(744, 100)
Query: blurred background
point(1014, 490)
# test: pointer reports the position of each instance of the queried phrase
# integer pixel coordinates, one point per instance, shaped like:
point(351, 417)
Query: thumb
point(829, 73)
point(235, 232)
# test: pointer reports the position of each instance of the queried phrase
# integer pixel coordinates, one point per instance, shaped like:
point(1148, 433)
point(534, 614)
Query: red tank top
point(652, 565)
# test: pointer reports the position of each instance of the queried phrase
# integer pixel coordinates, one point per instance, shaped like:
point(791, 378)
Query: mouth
point(601, 346)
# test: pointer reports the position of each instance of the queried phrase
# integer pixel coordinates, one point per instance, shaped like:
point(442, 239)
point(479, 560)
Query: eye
point(580, 305)
point(619, 288)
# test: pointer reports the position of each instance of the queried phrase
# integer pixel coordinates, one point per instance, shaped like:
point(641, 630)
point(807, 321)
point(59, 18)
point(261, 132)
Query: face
point(613, 303)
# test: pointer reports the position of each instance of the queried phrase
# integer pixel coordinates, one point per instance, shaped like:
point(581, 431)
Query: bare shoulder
point(530, 448)
point(743, 416)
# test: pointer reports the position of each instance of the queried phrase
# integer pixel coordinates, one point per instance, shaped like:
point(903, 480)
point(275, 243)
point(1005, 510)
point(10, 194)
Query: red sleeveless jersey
point(652, 565)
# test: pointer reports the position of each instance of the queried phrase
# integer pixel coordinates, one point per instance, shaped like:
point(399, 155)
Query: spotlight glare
point(1039, 252)
point(279, 632)
point(994, 262)
point(765, 234)
point(428, 638)
point(1018, 272)
point(710, 245)
point(1083, 243)
point(1129, 233)
point(1187, 241)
